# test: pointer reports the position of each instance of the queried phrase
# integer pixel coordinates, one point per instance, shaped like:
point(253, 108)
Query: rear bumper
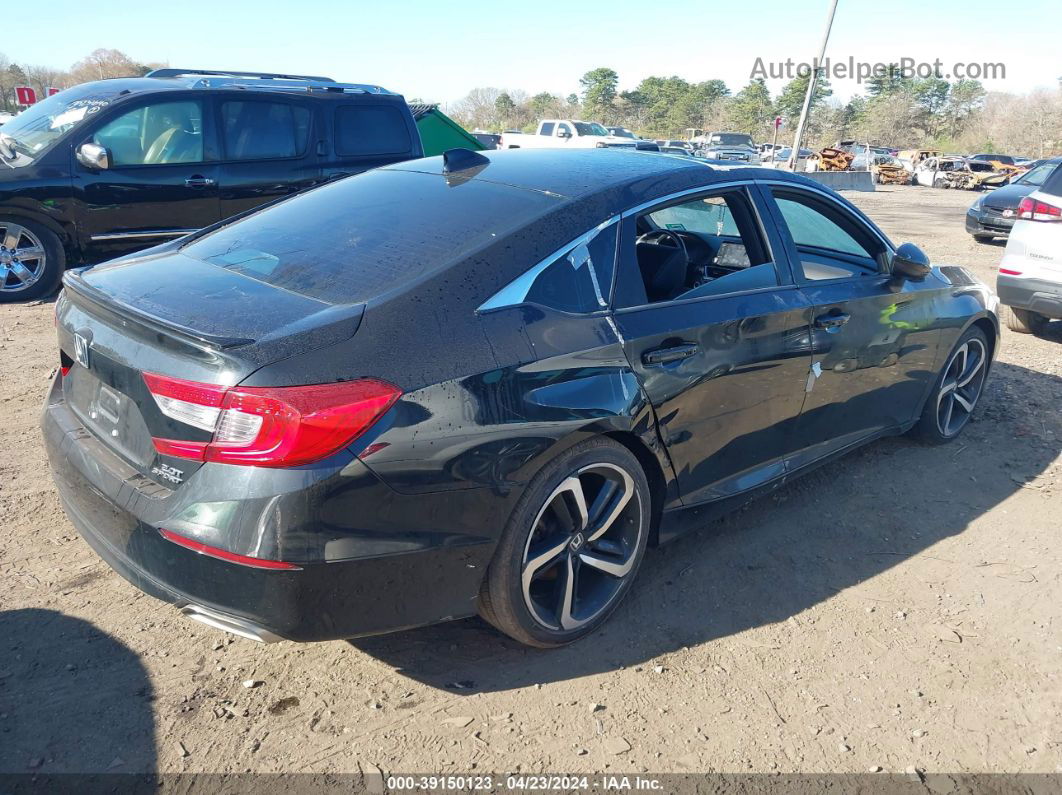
point(1035, 295)
point(396, 573)
point(983, 222)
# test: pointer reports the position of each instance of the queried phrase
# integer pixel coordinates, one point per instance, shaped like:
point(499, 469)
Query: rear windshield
point(366, 235)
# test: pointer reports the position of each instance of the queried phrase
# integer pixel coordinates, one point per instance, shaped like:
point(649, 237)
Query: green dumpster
point(438, 132)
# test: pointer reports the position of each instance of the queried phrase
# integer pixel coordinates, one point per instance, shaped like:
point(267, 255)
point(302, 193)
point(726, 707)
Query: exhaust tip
point(237, 626)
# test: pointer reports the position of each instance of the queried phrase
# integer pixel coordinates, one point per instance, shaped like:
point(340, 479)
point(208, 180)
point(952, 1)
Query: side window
point(260, 130)
point(707, 246)
point(579, 280)
point(831, 244)
point(547, 128)
point(159, 134)
point(370, 130)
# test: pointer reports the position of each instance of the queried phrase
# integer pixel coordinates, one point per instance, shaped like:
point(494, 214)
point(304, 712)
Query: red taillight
point(269, 426)
point(1035, 210)
point(224, 554)
point(1010, 272)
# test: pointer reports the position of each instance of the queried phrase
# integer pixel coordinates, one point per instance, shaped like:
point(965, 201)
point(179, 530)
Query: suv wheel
point(31, 260)
point(958, 388)
point(571, 548)
point(1022, 320)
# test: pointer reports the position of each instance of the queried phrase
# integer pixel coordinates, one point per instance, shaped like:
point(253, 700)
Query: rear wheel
point(957, 390)
point(1022, 320)
point(571, 548)
point(31, 260)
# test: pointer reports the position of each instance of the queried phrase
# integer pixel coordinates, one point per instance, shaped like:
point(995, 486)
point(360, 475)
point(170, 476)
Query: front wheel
point(31, 260)
point(571, 548)
point(957, 390)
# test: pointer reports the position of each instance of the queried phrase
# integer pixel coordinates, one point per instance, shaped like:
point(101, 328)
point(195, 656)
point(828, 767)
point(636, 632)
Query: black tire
point(1022, 320)
point(939, 424)
point(983, 238)
point(546, 517)
point(47, 273)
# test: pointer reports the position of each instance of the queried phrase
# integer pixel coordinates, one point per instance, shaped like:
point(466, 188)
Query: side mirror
point(94, 156)
point(563, 134)
point(910, 262)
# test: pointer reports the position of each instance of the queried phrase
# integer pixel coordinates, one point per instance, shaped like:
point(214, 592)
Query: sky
point(438, 51)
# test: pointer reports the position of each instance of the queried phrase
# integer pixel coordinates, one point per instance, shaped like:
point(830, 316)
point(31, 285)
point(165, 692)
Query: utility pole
point(812, 80)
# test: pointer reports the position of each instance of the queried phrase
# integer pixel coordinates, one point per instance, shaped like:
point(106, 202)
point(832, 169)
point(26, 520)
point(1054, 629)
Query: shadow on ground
point(828, 531)
point(72, 698)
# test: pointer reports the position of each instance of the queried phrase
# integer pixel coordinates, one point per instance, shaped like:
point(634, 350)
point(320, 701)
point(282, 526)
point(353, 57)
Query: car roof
point(575, 173)
point(123, 86)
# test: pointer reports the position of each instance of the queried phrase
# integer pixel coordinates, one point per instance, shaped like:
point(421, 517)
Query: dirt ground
point(896, 609)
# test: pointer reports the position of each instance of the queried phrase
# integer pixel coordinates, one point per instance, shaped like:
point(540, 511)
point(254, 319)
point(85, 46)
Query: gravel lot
point(898, 608)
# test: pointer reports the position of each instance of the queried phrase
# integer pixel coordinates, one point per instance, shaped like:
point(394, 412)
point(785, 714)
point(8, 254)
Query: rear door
point(162, 180)
point(874, 344)
point(720, 346)
point(267, 149)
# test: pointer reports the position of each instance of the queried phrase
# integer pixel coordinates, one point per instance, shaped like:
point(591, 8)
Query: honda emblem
point(81, 350)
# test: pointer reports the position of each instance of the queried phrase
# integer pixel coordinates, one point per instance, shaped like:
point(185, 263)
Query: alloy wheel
point(964, 378)
point(583, 545)
point(22, 257)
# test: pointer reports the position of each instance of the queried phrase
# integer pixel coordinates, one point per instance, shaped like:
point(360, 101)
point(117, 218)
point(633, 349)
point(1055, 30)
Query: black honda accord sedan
point(485, 383)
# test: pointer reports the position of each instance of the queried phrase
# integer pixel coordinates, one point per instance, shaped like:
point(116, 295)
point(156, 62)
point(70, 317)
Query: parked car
point(562, 134)
point(485, 382)
point(109, 167)
point(990, 158)
point(489, 140)
point(5, 117)
point(957, 172)
point(993, 214)
point(1029, 281)
point(622, 132)
point(730, 146)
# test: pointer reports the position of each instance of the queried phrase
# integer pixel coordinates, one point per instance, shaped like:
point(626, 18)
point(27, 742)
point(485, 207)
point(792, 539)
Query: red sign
point(24, 95)
point(777, 122)
point(52, 90)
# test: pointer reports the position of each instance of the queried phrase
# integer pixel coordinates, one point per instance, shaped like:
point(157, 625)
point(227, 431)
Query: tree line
point(894, 110)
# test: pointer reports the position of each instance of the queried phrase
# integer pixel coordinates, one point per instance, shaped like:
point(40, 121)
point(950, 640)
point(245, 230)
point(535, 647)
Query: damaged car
point(485, 383)
point(958, 172)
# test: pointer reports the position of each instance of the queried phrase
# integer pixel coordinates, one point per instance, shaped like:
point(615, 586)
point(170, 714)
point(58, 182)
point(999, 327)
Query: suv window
point(831, 244)
point(259, 130)
point(159, 134)
point(725, 252)
point(370, 130)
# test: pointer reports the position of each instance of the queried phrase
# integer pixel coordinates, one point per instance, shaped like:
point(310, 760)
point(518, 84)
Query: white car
point(1029, 283)
point(563, 134)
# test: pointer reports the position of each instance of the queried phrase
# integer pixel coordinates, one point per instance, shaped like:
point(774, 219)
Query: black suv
point(109, 167)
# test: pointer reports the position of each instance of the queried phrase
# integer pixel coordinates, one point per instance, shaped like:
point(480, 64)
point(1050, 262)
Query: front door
point(718, 335)
point(874, 343)
point(161, 183)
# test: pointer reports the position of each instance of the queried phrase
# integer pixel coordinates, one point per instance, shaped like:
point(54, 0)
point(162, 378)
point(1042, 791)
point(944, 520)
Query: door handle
point(834, 320)
point(197, 181)
point(672, 353)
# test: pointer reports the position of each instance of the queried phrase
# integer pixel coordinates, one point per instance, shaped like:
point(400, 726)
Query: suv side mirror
point(910, 262)
point(563, 134)
point(93, 156)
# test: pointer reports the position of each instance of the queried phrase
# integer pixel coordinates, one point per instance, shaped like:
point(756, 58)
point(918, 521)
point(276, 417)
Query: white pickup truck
point(563, 134)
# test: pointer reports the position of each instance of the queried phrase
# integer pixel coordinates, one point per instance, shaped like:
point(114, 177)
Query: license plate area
point(109, 415)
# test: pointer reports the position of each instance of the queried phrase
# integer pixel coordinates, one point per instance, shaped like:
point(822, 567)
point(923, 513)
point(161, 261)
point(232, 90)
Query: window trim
point(223, 154)
point(206, 119)
point(515, 292)
point(746, 186)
